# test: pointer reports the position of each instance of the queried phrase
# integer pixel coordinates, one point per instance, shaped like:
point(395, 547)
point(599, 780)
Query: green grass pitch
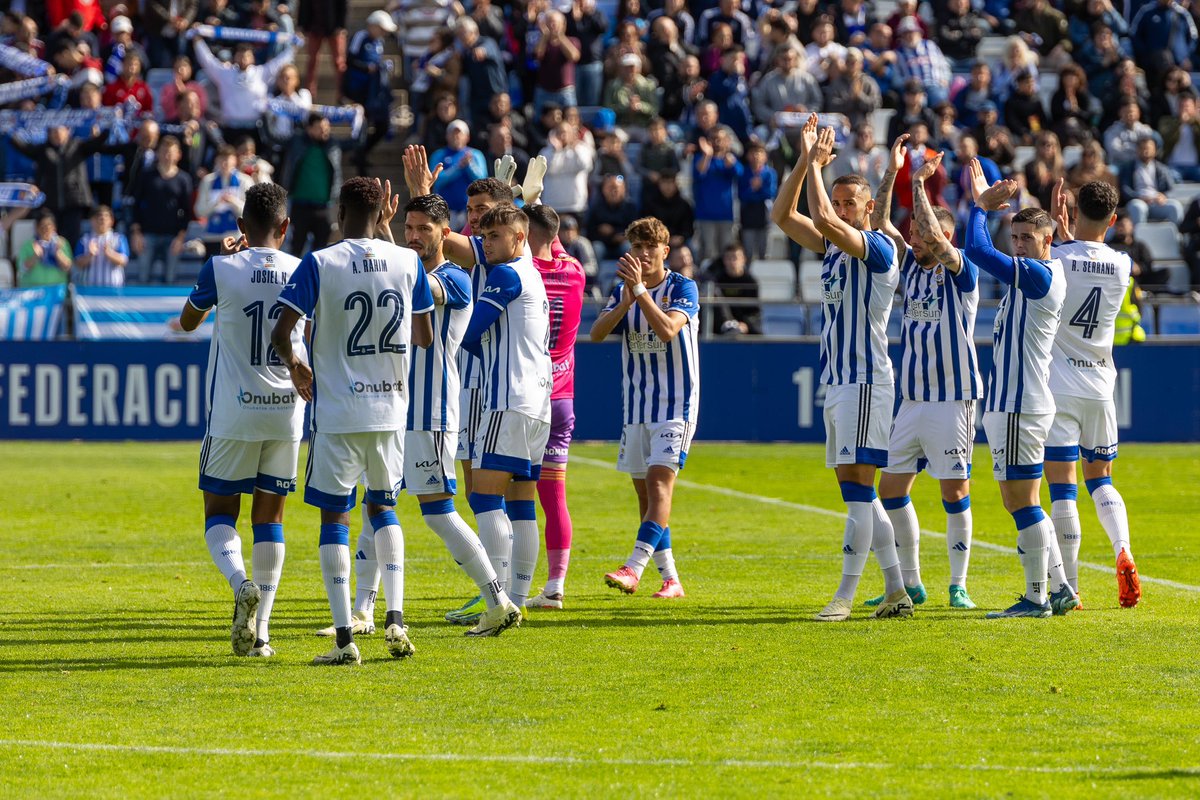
point(116, 678)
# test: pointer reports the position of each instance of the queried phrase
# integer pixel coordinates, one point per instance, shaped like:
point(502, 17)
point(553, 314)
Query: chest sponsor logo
point(925, 309)
point(644, 342)
point(831, 289)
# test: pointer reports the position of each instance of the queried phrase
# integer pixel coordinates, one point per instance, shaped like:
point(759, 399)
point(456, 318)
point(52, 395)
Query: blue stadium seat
point(1182, 319)
point(787, 319)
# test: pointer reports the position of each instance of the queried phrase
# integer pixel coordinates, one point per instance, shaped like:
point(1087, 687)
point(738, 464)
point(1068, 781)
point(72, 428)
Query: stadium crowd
point(687, 108)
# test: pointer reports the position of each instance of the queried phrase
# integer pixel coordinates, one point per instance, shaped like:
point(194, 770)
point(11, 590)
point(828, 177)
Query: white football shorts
point(231, 466)
point(1083, 426)
point(938, 436)
point(654, 444)
point(1017, 442)
point(336, 461)
point(858, 418)
point(470, 412)
point(429, 462)
point(512, 442)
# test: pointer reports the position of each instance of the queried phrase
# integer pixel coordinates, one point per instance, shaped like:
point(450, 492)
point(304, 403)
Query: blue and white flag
point(17, 91)
point(31, 126)
point(139, 312)
point(227, 34)
point(20, 195)
point(22, 63)
point(31, 314)
point(351, 115)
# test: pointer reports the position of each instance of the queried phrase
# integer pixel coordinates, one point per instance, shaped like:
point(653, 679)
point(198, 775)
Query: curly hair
point(266, 206)
point(362, 195)
point(648, 229)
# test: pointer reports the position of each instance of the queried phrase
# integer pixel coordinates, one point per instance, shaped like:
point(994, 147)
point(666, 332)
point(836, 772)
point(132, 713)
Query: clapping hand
point(821, 154)
point(990, 198)
point(898, 153)
point(629, 269)
point(1060, 211)
point(416, 171)
point(391, 203)
point(808, 137)
point(928, 169)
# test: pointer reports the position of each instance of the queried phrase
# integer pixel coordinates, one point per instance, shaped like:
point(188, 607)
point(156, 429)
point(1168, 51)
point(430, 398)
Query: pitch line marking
point(536, 760)
point(775, 501)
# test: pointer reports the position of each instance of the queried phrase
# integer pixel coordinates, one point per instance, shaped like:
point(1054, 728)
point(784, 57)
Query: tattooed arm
point(881, 215)
point(926, 224)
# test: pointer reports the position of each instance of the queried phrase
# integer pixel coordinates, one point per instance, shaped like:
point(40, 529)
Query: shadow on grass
point(121, 664)
point(1157, 775)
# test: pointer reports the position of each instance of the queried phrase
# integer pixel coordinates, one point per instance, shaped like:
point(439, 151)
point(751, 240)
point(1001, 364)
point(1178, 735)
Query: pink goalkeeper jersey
point(564, 279)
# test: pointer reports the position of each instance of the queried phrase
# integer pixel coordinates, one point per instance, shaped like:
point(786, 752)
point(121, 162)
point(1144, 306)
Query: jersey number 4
point(361, 301)
point(255, 312)
point(1087, 316)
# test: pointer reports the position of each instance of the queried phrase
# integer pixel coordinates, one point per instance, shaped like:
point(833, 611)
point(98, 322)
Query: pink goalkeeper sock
point(553, 497)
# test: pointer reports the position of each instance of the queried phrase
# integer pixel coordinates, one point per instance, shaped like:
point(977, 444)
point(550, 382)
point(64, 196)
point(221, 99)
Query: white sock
point(639, 558)
point(496, 535)
point(335, 571)
point(908, 539)
point(1110, 508)
point(1065, 516)
point(366, 572)
point(883, 544)
point(267, 560)
point(1054, 564)
point(527, 541)
point(665, 561)
point(389, 550)
point(856, 546)
point(225, 547)
point(958, 544)
point(465, 548)
point(553, 586)
point(1032, 550)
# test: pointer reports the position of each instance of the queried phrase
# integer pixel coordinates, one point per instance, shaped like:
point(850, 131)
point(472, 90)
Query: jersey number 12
point(1087, 316)
point(255, 312)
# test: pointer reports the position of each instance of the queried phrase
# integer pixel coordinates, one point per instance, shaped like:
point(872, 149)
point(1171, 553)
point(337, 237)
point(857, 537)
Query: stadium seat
point(156, 79)
point(606, 275)
point(23, 230)
point(587, 317)
point(880, 119)
point(1047, 86)
point(991, 49)
point(1179, 319)
point(810, 282)
point(777, 243)
point(1184, 192)
point(776, 279)
point(1022, 156)
point(1161, 237)
point(784, 319)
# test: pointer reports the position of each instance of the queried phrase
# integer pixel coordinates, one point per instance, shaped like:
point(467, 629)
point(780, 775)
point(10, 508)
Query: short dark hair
point(362, 195)
point(431, 205)
point(226, 150)
point(544, 218)
point(1036, 217)
point(944, 217)
point(265, 207)
point(493, 188)
point(43, 216)
point(313, 118)
point(853, 180)
point(1097, 201)
point(169, 141)
point(504, 215)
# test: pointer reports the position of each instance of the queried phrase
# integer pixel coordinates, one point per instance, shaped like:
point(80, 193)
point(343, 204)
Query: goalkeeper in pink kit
point(563, 277)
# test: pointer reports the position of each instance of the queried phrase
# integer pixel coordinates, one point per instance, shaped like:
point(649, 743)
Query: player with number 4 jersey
point(1083, 379)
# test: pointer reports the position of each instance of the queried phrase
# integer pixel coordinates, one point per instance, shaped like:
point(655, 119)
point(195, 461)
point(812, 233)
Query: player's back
point(434, 374)
point(857, 295)
point(361, 292)
point(1022, 339)
point(516, 361)
point(1096, 277)
point(564, 279)
point(250, 393)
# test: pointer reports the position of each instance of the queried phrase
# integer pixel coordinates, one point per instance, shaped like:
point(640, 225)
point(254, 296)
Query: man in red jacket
point(130, 84)
point(919, 153)
point(58, 10)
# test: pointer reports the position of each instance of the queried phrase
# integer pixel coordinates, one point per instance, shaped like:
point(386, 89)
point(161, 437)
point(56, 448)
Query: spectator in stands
point(217, 13)
point(915, 108)
point(734, 282)
point(489, 19)
point(418, 21)
point(850, 91)
point(881, 62)
point(281, 128)
point(61, 172)
point(368, 81)
point(501, 112)
point(1123, 240)
point(483, 67)
point(242, 86)
point(569, 161)
point(680, 260)
point(861, 156)
point(823, 52)
point(587, 24)
point(1046, 29)
point(461, 166)
point(959, 32)
point(947, 133)
point(1166, 102)
point(920, 59)
point(121, 30)
point(312, 175)
point(633, 96)
point(433, 126)
point(260, 15)
point(1144, 186)
point(1121, 140)
point(668, 54)
point(919, 152)
point(1083, 21)
point(1164, 36)
point(787, 87)
point(631, 11)
point(1190, 229)
point(727, 13)
point(556, 56)
point(102, 167)
point(658, 155)
point(612, 158)
point(1181, 139)
point(1127, 87)
point(1046, 168)
point(905, 9)
point(1018, 59)
point(850, 22)
point(716, 171)
point(130, 84)
point(1091, 167)
point(968, 148)
point(1100, 56)
point(138, 157)
point(608, 218)
point(757, 186)
point(677, 12)
point(581, 250)
point(323, 21)
point(1073, 110)
point(181, 81)
point(675, 211)
point(165, 24)
point(73, 60)
point(1024, 115)
point(44, 260)
point(221, 196)
point(628, 42)
point(102, 254)
point(803, 16)
point(258, 170)
point(500, 144)
point(162, 208)
point(728, 89)
point(710, 56)
point(438, 71)
point(198, 137)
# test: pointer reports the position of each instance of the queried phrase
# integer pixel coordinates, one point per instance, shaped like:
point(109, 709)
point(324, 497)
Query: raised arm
point(665, 324)
point(844, 235)
point(881, 215)
point(926, 223)
point(799, 228)
point(391, 204)
point(1060, 210)
point(979, 241)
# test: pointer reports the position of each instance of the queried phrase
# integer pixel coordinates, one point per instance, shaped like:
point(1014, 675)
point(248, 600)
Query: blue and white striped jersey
point(1022, 338)
point(937, 351)
point(250, 393)
point(468, 363)
point(433, 375)
point(857, 294)
point(361, 295)
point(661, 380)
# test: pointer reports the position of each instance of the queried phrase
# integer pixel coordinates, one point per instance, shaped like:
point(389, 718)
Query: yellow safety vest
point(1129, 318)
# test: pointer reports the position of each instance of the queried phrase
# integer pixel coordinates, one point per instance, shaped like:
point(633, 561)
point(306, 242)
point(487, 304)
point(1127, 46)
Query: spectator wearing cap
point(823, 51)
point(130, 84)
point(1024, 114)
point(850, 91)
point(920, 59)
point(904, 10)
point(312, 175)
point(556, 55)
point(368, 81)
point(757, 186)
point(631, 95)
point(165, 23)
point(122, 42)
point(242, 86)
point(323, 21)
point(461, 165)
point(569, 161)
point(608, 218)
point(1145, 183)
point(959, 33)
point(977, 92)
point(483, 67)
point(915, 108)
point(787, 87)
point(1122, 137)
point(715, 174)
